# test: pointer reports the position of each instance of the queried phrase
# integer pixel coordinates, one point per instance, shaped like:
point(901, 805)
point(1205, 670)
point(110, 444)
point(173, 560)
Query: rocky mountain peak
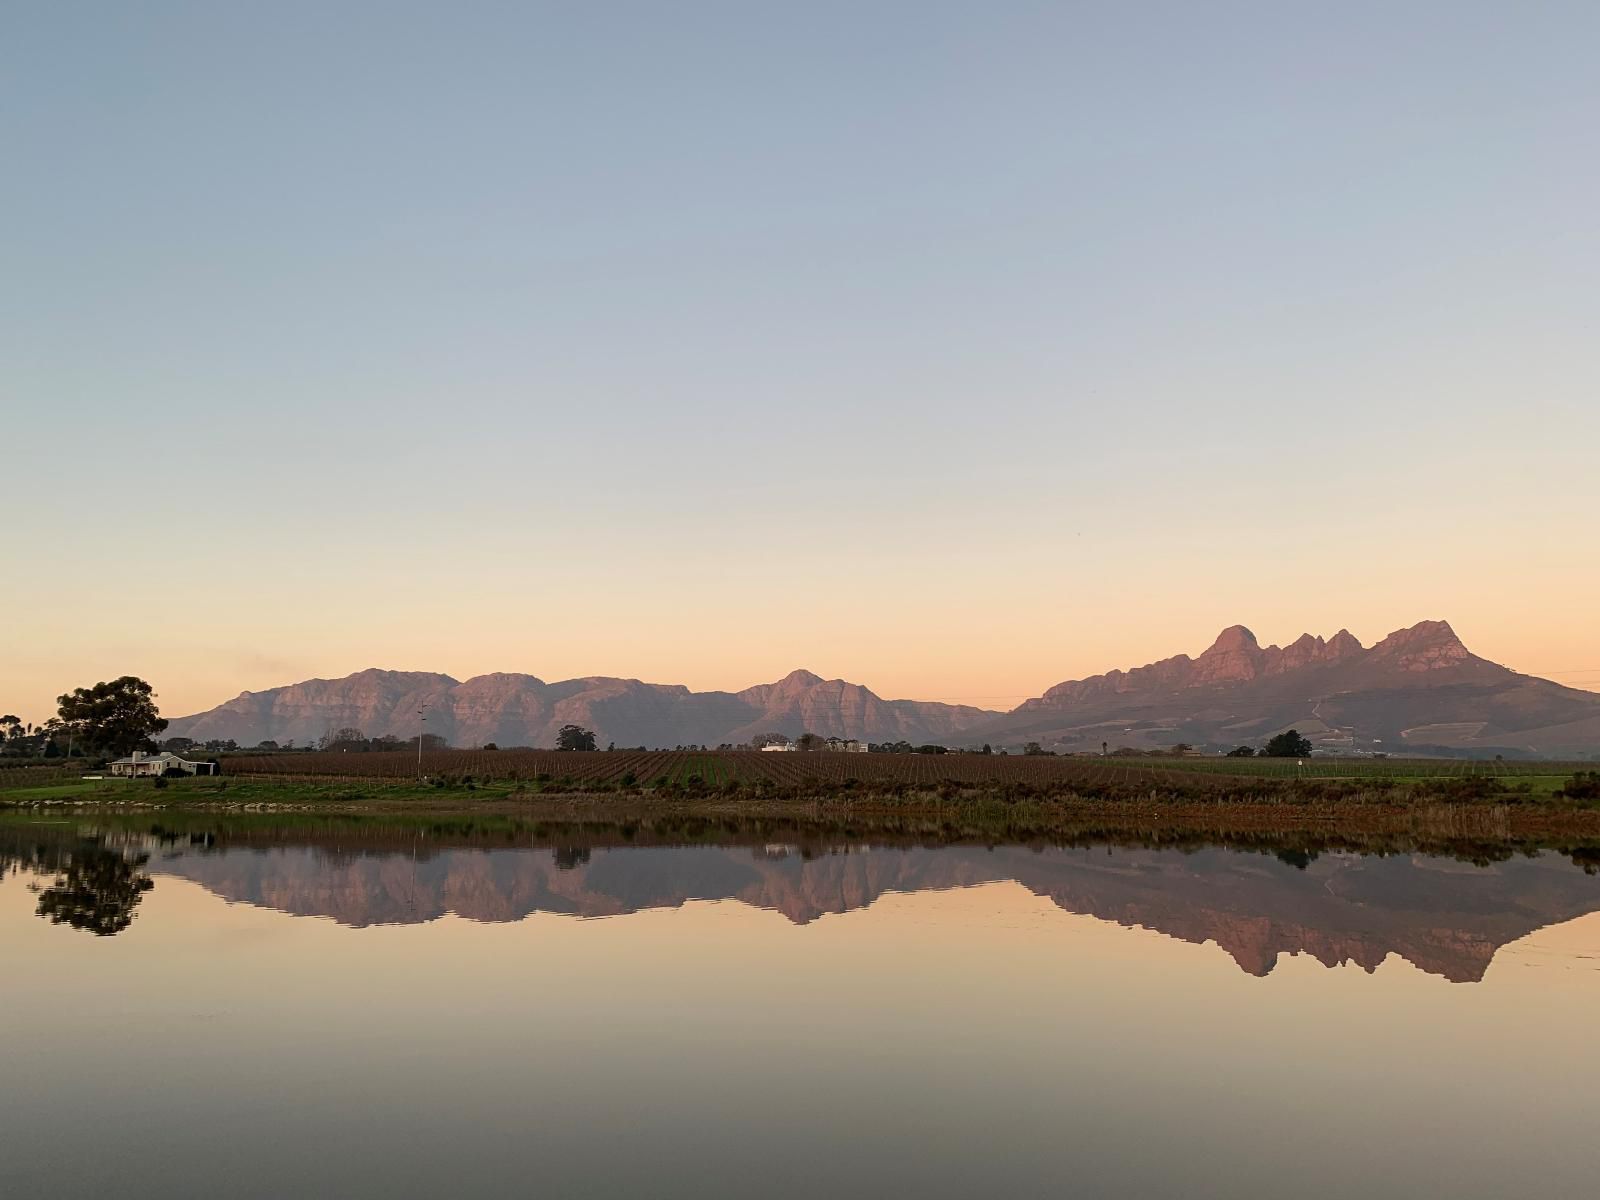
point(1235, 656)
point(1343, 644)
point(1425, 646)
point(1232, 640)
point(1303, 651)
point(1426, 632)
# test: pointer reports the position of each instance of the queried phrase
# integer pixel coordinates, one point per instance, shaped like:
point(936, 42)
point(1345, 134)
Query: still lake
point(333, 1014)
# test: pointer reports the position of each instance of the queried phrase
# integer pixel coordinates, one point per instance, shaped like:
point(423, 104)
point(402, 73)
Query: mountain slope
point(1419, 689)
point(511, 709)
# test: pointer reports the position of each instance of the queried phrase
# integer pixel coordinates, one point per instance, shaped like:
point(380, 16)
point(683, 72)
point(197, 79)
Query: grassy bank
point(1481, 834)
point(861, 778)
point(1467, 810)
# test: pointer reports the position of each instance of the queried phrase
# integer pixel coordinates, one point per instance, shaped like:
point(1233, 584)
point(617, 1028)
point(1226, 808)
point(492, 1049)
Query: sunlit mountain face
point(1419, 690)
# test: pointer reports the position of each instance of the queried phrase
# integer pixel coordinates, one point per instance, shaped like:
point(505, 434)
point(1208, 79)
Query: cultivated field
point(678, 768)
point(1364, 768)
point(713, 769)
point(39, 774)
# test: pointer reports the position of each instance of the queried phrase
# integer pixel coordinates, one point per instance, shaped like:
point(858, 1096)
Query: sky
point(953, 349)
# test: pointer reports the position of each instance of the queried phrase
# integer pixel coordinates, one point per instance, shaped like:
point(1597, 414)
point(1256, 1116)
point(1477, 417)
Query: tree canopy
point(574, 737)
point(1287, 745)
point(348, 738)
point(118, 717)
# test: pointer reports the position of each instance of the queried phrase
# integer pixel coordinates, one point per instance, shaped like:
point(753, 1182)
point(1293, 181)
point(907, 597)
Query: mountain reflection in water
point(852, 1014)
point(1446, 917)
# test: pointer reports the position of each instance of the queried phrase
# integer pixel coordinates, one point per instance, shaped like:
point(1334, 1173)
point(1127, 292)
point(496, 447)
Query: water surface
point(333, 1015)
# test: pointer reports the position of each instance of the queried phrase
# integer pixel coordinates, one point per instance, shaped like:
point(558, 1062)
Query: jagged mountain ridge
point(1419, 689)
point(1237, 657)
point(512, 709)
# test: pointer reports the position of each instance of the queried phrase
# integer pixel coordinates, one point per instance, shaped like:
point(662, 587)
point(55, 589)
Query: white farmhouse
point(139, 763)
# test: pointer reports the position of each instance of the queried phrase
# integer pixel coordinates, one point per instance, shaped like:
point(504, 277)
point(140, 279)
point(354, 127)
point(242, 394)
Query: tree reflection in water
point(569, 858)
point(95, 888)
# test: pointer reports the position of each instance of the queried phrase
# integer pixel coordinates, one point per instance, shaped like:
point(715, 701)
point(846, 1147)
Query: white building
point(139, 763)
point(779, 746)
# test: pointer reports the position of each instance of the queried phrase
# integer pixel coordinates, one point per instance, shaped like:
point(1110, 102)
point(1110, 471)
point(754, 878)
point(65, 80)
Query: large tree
point(574, 737)
point(348, 738)
point(113, 718)
point(1287, 745)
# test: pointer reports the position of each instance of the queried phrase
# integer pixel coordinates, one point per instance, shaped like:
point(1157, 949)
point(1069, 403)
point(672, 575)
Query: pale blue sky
point(682, 321)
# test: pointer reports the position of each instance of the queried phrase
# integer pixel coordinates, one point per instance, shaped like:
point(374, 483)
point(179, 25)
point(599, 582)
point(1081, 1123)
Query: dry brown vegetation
point(1013, 776)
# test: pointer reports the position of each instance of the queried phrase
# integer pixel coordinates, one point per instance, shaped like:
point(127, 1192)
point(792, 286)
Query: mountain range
point(1419, 690)
point(521, 710)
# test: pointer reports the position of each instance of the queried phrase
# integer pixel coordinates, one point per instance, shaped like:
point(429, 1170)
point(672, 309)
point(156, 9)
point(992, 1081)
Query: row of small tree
point(1289, 744)
point(352, 741)
point(114, 718)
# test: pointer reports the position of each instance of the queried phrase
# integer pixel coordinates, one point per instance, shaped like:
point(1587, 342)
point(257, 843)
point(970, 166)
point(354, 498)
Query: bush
point(1584, 785)
point(1463, 788)
point(1288, 745)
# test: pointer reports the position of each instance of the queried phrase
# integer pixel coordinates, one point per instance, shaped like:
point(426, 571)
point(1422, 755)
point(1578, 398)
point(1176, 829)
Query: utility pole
point(422, 725)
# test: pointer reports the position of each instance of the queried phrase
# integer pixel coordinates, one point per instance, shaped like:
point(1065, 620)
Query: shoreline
point(1541, 823)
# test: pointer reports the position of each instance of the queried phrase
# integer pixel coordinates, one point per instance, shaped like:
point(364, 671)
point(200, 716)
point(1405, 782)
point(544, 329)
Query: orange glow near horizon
point(1022, 351)
point(953, 649)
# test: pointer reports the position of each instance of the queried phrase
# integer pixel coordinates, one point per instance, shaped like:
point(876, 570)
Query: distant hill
point(520, 710)
point(1419, 690)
